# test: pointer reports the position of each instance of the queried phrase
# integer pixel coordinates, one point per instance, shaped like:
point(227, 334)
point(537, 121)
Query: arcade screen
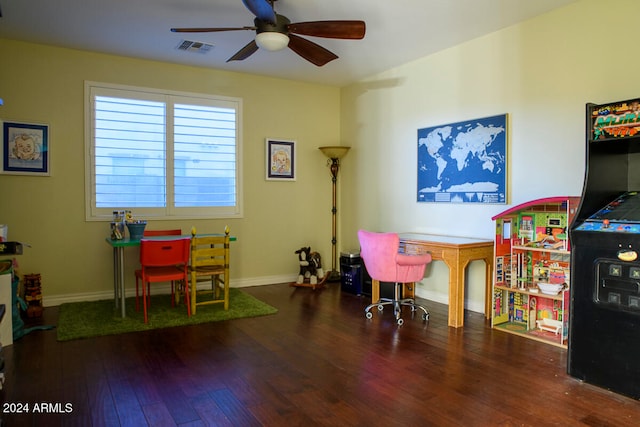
point(624, 209)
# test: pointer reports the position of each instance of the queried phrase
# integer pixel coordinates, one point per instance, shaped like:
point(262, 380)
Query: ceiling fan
point(275, 32)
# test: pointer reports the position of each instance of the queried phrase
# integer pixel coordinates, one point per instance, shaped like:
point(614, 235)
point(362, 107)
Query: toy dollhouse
point(532, 269)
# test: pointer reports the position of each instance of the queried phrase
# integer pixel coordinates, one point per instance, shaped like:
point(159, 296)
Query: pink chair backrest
point(383, 262)
point(379, 251)
point(158, 253)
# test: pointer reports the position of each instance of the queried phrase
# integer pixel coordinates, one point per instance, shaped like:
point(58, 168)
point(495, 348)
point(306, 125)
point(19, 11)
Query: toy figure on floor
point(18, 304)
point(311, 273)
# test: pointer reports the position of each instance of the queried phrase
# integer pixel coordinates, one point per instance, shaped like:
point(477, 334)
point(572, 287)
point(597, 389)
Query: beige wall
point(541, 72)
point(41, 84)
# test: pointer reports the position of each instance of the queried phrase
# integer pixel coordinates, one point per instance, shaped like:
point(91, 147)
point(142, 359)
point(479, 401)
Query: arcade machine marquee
point(604, 324)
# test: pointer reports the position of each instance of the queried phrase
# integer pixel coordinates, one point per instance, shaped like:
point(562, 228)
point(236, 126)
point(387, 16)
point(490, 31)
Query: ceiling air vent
point(191, 46)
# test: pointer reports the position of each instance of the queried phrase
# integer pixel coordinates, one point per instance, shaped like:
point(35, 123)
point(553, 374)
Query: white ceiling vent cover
point(191, 46)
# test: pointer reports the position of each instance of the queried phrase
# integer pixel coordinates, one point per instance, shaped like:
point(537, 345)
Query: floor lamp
point(334, 153)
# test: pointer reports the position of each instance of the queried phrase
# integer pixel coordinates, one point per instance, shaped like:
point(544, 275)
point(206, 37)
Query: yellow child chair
point(210, 263)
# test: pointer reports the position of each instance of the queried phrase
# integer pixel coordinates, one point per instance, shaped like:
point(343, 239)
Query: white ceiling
point(398, 31)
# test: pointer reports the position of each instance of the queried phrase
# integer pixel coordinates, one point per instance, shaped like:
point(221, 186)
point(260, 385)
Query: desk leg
point(456, 294)
point(121, 279)
point(116, 277)
point(488, 289)
point(375, 291)
point(409, 291)
point(456, 288)
point(453, 260)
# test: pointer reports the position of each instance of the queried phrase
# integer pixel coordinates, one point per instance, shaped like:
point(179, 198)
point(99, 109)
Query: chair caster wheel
point(400, 322)
point(368, 315)
point(380, 307)
point(425, 317)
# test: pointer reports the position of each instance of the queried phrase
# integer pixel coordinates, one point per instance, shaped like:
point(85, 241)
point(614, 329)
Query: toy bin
point(136, 229)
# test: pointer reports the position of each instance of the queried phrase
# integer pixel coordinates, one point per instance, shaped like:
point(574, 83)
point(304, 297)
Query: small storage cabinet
point(351, 272)
point(532, 270)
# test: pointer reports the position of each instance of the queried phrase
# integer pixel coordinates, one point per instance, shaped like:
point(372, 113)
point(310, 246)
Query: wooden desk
point(457, 253)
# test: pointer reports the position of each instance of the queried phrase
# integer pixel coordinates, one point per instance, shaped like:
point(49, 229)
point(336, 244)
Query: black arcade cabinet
point(604, 337)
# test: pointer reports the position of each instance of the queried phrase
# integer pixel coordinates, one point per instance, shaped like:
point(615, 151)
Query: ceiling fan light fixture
point(271, 40)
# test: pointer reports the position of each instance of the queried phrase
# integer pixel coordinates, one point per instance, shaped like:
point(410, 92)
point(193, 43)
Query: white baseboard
point(264, 280)
point(164, 288)
point(444, 299)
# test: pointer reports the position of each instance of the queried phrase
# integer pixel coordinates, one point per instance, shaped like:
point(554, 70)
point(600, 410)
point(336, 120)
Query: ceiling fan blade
point(245, 52)
point(310, 51)
point(262, 9)
point(208, 30)
point(330, 29)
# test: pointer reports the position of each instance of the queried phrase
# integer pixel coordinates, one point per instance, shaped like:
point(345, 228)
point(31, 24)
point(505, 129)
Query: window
point(160, 154)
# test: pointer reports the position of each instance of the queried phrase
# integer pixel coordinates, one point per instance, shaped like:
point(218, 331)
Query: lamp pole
point(334, 153)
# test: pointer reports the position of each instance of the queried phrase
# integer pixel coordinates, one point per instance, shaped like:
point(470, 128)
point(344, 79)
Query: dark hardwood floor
point(317, 362)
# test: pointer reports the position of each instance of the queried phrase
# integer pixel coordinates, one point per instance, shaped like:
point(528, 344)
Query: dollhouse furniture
point(164, 261)
point(530, 295)
point(384, 263)
point(456, 253)
point(210, 263)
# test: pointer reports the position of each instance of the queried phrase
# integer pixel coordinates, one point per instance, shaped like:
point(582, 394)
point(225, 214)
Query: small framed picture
point(25, 149)
point(281, 160)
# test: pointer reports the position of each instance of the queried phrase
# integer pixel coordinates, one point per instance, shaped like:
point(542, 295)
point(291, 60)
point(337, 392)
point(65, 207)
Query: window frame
point(170, 98)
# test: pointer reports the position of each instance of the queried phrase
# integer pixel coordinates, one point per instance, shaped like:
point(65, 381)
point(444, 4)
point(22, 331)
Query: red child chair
point(138, 273)
point(164, 261)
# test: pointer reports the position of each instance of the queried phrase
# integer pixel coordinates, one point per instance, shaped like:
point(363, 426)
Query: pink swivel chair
point(379, 251)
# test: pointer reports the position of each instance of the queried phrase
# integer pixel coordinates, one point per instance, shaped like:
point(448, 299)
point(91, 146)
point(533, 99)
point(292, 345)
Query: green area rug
point(96, 318)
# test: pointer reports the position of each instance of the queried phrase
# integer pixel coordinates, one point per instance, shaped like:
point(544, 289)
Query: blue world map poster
point(463, 162)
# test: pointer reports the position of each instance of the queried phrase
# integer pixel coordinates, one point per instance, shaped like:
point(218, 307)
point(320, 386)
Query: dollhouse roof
point(536, 202)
